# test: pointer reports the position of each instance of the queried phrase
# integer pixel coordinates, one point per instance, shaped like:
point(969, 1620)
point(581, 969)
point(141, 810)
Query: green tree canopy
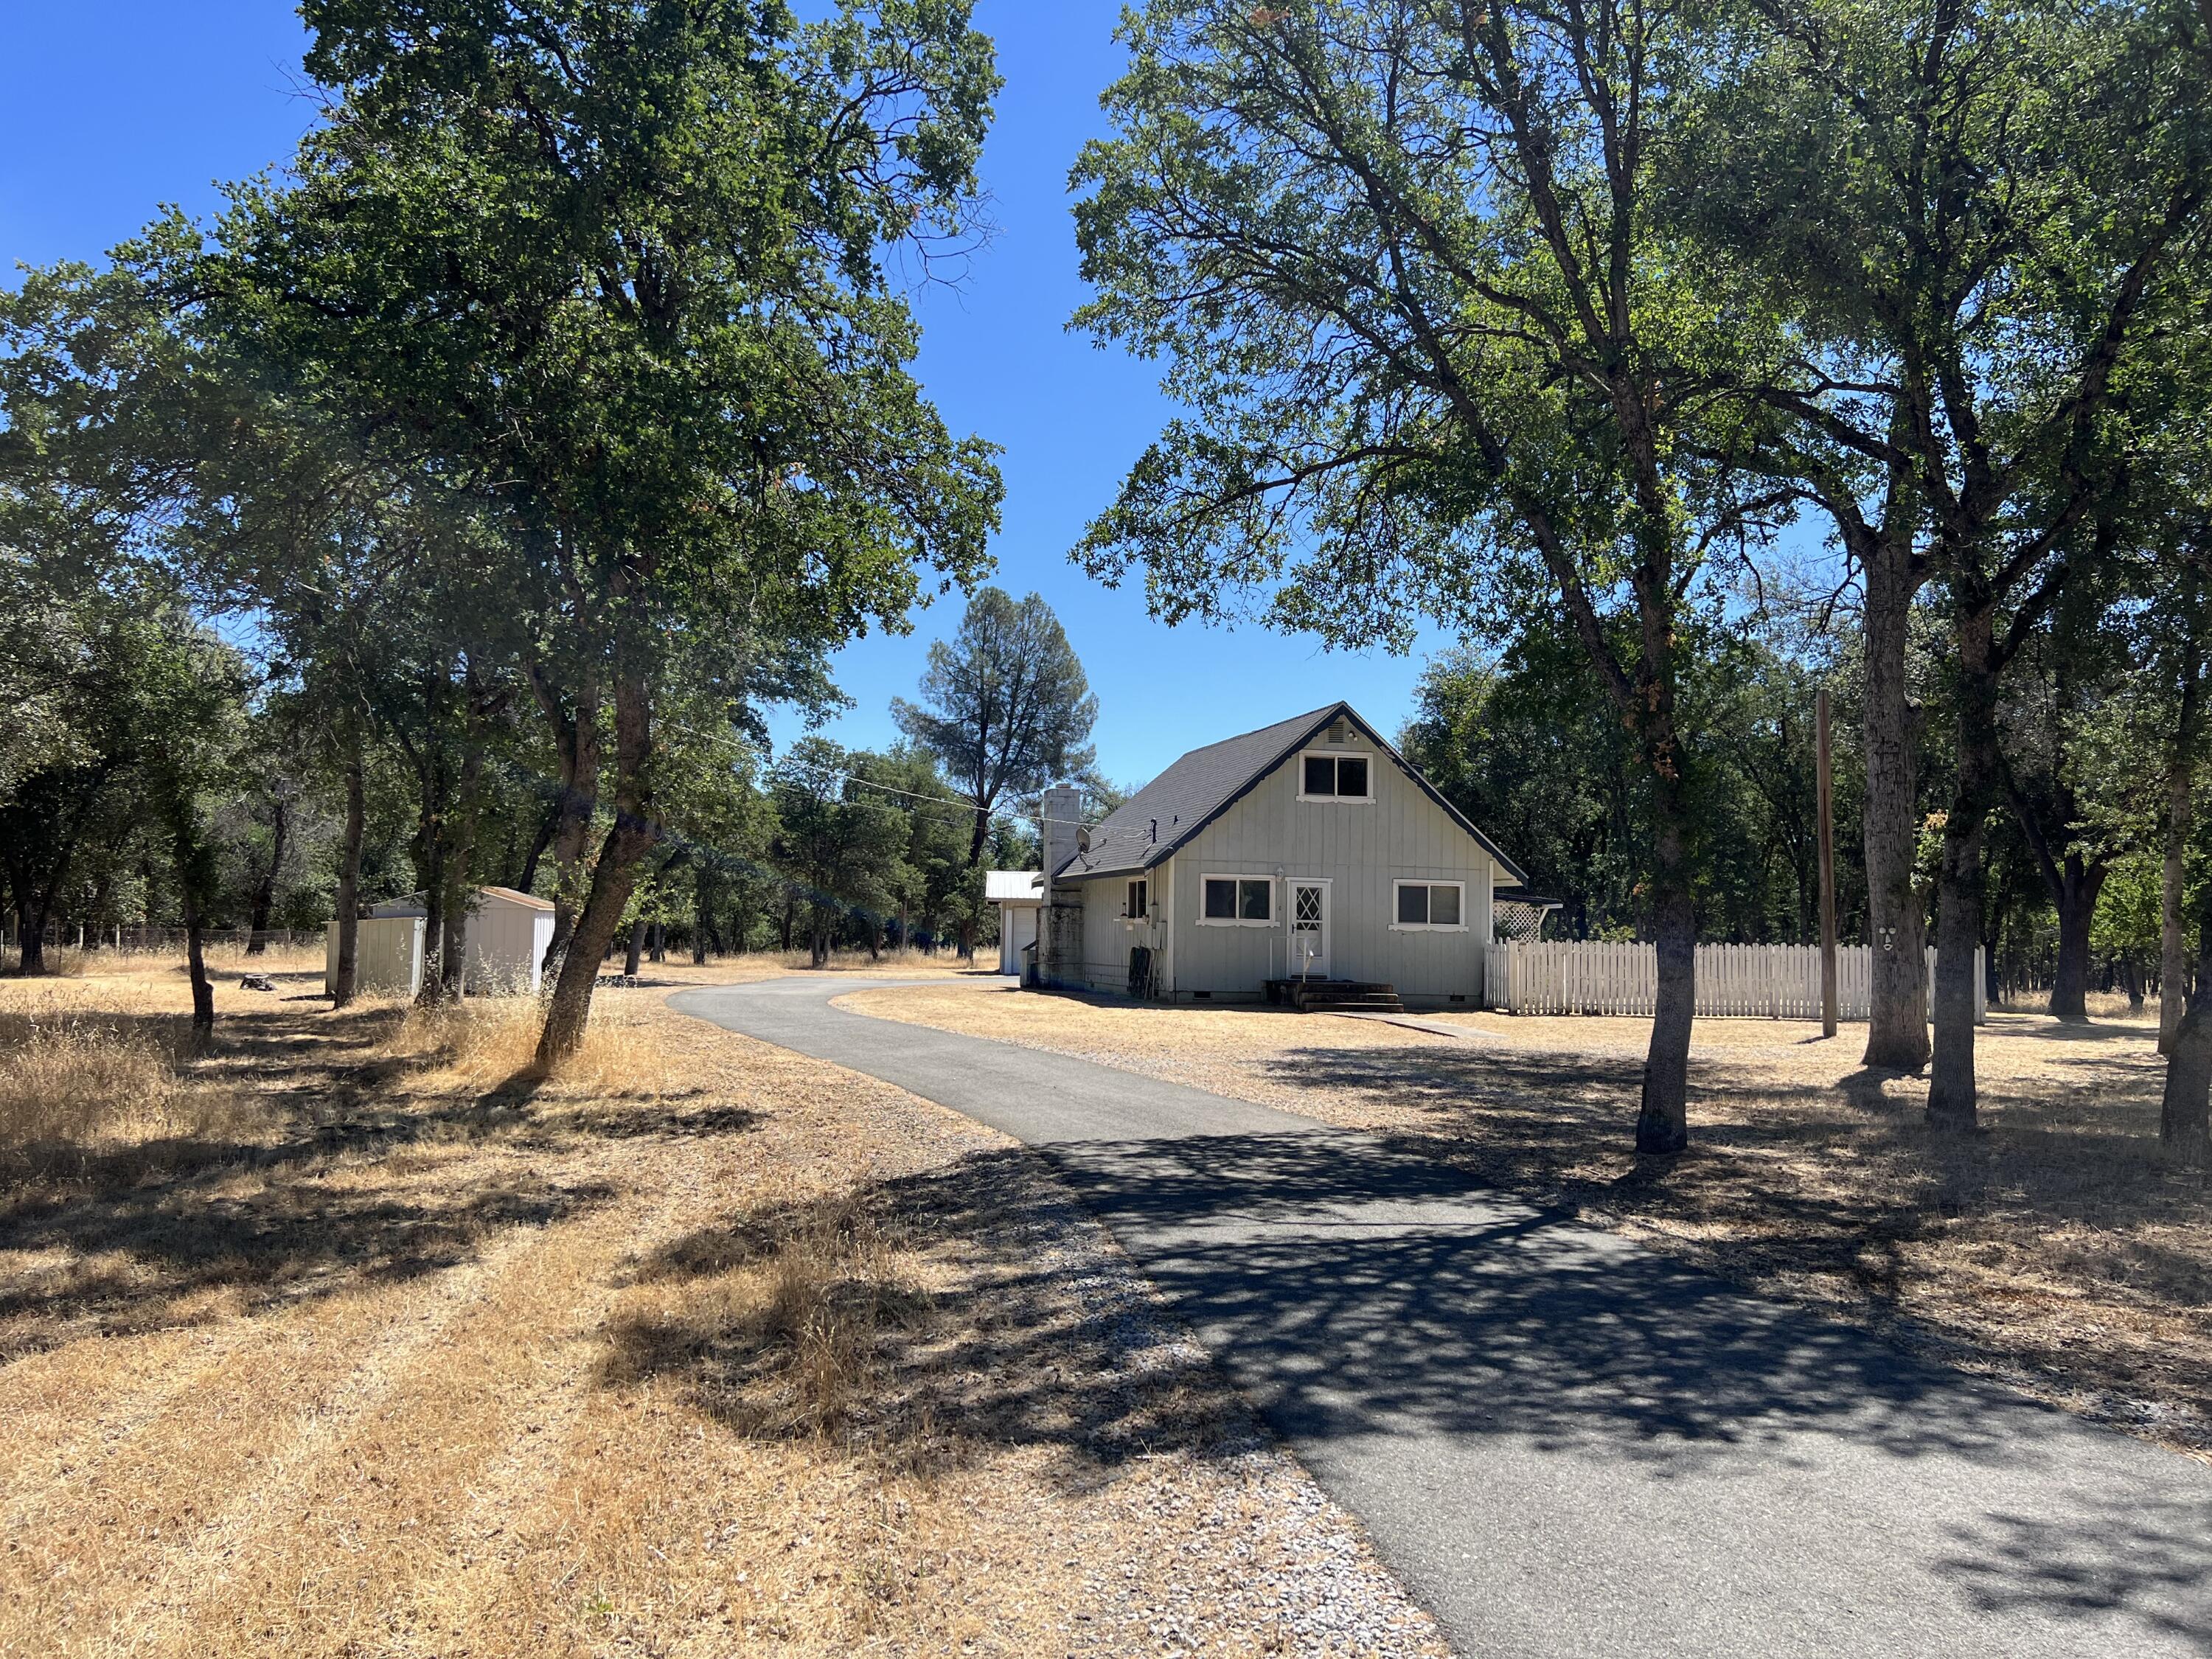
point(616, 269)
point(1006, 706)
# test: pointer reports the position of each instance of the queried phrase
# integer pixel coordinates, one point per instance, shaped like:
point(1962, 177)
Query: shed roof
point(1013, 886)
point(528, 901)
point(1172, 808)
point(413, 905)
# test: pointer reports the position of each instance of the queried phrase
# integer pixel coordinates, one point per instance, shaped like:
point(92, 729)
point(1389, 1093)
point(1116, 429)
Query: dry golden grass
point(2058, 1249)
point(694, 1346)
point(80, 1082)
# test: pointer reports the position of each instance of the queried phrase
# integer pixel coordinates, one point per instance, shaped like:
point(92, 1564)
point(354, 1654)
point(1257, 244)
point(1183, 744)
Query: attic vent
point(1337, 733)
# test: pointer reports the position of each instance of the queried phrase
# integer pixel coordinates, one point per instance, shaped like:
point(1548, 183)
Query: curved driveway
point(1565, 1444)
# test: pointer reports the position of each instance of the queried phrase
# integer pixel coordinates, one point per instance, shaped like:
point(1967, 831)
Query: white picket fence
point(1735, 982)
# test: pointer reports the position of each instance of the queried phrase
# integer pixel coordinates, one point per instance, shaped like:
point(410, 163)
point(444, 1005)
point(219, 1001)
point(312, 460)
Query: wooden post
point(1826, 793)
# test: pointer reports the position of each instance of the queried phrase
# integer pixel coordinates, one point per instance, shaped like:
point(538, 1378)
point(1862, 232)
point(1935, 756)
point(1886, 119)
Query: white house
point(505, 944)
point(1307, 861)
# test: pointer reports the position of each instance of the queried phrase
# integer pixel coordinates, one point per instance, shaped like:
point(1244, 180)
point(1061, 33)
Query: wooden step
point(1343, 996)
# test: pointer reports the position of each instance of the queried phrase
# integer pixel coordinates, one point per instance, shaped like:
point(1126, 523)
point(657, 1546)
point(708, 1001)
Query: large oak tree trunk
point(2077, 901)
point(196, 963)
point(2185, 1119)
point(430, 870)
point(577, 747)
point(1896, 915)
point(614, 878)
point(2180, 793)
point(453, 961)
point(349, 897)
point(1662, 1118)
point(193, 879)
point(264, 892)
point(2182, 1123)
point(1952, 1089)
point(548, 827)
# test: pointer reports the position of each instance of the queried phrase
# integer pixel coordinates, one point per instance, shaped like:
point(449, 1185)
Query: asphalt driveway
point(1563, 1443)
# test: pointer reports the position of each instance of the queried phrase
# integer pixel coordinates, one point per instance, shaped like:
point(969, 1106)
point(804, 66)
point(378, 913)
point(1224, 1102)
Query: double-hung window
point(1324, 776)
point(1139, 901)
point(1238, 902)
point(1433, 905)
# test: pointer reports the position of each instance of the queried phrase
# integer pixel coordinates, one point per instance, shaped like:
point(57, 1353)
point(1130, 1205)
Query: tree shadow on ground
point(1351, 1284)
point(927, 1322)
point(1353, 1287)
point(1790, 1186)
point(2144, 1557)
point(335, 1164)
point(152, 1257)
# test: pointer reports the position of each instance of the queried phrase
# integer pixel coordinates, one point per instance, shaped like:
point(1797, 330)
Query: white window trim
point(1398, 926)
point(1367, 800)
point(1274, 904)
point(1145, 918)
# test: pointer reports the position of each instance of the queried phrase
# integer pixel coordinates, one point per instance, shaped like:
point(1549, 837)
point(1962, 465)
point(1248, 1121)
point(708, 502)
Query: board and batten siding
point(1362, 850)
point(1108, 936)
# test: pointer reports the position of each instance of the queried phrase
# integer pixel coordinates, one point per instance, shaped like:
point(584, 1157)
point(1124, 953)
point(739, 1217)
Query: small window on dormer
point(1335, 777)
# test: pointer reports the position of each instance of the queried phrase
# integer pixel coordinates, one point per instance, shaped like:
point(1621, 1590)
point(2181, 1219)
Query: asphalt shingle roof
point(1205, 783)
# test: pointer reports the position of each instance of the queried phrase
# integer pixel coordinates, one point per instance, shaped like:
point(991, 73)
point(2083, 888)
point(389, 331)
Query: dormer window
point(1329, 777)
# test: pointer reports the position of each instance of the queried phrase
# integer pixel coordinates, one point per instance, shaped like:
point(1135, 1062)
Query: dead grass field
point(356, 1336)
point(2059, 1249)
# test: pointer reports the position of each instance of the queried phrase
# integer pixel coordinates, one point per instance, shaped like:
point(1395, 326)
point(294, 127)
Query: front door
point(1309, 930)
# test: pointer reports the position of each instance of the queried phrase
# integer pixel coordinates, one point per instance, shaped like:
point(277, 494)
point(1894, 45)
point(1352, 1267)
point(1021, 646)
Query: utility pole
point(1826, 796)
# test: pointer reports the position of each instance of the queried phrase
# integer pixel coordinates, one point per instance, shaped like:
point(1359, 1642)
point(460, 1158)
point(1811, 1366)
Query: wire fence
point(146, 938)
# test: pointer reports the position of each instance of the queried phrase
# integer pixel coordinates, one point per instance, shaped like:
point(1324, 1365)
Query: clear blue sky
point(108, 107)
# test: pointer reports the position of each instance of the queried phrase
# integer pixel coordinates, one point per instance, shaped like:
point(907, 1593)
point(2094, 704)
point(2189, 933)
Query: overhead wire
point(954, 804)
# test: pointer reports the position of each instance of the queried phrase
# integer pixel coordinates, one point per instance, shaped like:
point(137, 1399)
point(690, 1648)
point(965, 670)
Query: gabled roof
point(1167, 812)
point(413, 904)
point(1013, 886)
point(528, 901)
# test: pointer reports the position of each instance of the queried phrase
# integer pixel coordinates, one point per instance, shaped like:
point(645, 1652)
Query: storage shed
point(1019, 895)
point(508, 934)
point(506, 941)
point(387, 956)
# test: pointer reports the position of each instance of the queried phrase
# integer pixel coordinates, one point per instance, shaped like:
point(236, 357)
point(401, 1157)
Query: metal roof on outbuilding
point(1207, 782)
point(1013, 886)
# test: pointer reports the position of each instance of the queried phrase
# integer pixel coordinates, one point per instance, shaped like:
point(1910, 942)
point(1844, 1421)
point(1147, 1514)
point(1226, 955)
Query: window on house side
point(1430, 904)
point(1321, 774)
point(1352, 776)
point(1239, 901)
point(1140, 903)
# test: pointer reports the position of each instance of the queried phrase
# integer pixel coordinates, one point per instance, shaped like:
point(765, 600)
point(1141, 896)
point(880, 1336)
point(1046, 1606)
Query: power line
point(955, 803)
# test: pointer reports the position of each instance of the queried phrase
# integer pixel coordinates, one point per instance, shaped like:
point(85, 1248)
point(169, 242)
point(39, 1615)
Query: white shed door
point(1309, 930)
